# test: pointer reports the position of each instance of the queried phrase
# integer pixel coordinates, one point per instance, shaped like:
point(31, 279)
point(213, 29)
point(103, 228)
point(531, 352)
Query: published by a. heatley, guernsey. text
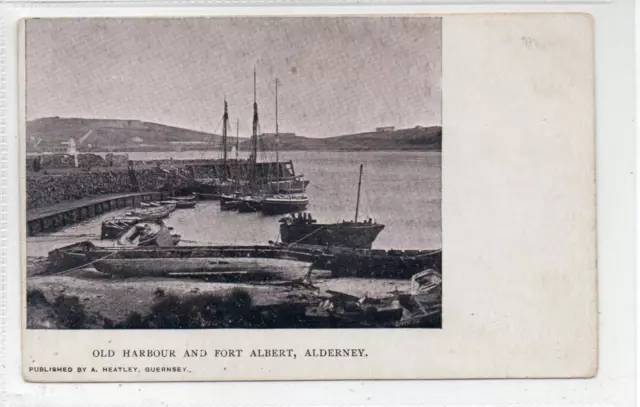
point(175, 355)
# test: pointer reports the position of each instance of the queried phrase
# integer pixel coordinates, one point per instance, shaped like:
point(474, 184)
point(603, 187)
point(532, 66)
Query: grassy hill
point(417, 138)
point(51, 132)
point(130, 135)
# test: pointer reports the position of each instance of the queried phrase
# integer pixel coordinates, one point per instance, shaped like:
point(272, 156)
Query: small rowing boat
point(181, 204)
point(147, 234)
point(152, 213)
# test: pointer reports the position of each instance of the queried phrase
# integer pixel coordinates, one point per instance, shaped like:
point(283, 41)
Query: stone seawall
point(45, 189)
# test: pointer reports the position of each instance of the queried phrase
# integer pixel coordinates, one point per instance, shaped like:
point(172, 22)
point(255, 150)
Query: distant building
point(387, 128)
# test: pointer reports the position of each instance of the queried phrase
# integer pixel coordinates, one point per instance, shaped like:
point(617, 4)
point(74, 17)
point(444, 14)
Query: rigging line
point(211, 138)
point(88, 264)
point(304, 237)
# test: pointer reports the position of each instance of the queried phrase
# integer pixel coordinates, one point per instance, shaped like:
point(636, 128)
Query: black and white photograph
point(233, 172)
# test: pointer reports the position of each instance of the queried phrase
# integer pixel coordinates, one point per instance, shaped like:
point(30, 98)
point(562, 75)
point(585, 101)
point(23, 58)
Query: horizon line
point(216, 134)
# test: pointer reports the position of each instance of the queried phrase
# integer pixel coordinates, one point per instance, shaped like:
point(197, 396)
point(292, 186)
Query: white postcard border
point(614, 157)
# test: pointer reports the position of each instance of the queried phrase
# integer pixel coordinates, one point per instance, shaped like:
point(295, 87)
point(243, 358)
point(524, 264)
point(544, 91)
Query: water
point(401, 190)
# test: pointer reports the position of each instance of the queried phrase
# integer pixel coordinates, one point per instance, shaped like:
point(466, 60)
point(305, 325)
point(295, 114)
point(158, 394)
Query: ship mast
point(358, 200)
point(277, 138)
point(237, 177)
point(254, 136)
point(225, 125)
point(237, 138)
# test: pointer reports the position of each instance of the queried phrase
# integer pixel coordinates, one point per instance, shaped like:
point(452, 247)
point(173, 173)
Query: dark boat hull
point(342, 262)
point(249, 205)
point(254, 268)
point(360, 236)
point(283, 207)
point(229, 205)
point(185, 204)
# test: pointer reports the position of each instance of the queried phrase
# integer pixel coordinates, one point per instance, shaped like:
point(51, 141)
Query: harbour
point(332, 195)
point(173, 212)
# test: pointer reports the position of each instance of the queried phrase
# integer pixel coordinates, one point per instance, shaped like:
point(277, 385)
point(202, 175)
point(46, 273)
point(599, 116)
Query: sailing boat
point(253, 201)
point(215, 188)
point(281, 204)
point(230, 201)
point(303, 229)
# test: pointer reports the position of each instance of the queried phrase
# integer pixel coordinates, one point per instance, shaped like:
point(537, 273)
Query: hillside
point(417, 138)
point(51, 134)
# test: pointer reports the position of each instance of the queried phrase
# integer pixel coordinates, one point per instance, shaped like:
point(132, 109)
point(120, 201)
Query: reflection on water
point(402, 190)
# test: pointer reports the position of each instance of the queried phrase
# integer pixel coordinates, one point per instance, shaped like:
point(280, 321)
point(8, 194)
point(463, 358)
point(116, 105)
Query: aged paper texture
point(280, 198)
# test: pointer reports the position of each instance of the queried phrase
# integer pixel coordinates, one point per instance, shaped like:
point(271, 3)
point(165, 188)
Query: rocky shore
point(85, 298)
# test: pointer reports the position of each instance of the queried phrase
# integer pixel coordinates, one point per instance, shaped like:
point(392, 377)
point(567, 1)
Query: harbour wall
point(46, 188)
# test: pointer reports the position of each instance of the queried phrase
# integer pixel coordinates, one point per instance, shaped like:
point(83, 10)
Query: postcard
point(308, 198)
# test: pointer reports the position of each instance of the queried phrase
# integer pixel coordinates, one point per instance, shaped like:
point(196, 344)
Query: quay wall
point(42, 162)
point(46, 188)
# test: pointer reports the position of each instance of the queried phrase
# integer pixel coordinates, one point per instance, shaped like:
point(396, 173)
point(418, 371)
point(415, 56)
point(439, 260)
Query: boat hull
point(288, 186)
point(360, 236)
point(185, 204)
point(341, 261)
point(228, 204)
point(246, 268)
point(247, 205)
point(152, 214)
point(281, 207)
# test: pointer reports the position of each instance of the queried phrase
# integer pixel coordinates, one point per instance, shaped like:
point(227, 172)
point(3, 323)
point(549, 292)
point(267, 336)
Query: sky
point(337, 75)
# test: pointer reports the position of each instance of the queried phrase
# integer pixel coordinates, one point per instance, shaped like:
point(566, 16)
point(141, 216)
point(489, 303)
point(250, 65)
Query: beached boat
point(255, 268)
point(147, 234)
point(340, 261)
point(114, 227)
point(283, 204)
point(152, 213)
point(263, 262)
point(303, 229)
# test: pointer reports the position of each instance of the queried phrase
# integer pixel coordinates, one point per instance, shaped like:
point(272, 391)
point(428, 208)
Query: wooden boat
point(340, 261)
point(303, 229)
point(186, 204)
point(252, 202)
point(181, 204)
point(257, 268)
point(208, 196)
point(187, 198)
point(295, 185)
point(147, 234)
point(114, 227)
point(152, 213)
point(248, 204)
point(229, 202)
point(146, 205)
point(282, 204)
